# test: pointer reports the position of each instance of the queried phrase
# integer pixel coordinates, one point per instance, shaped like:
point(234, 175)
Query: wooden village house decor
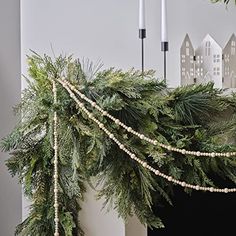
point(209, 62)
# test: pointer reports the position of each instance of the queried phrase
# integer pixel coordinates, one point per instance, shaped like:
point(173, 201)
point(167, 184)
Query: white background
point(108, 29)
point(95, 29)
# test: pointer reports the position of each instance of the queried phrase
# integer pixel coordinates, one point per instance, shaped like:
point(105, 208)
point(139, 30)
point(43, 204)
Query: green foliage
point(188, 117)
point(225, 1)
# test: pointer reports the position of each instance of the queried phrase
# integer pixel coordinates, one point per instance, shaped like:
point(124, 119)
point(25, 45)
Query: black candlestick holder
point(142, 36)
point(165, 49)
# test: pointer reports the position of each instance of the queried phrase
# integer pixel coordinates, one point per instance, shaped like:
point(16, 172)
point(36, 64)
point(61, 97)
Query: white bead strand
point(143, 163)
point(142, 136)
point(55, 134)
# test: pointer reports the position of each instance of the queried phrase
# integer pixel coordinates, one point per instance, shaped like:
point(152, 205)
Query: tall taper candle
point(164, 33)
point(142, 24)
point(142, 29)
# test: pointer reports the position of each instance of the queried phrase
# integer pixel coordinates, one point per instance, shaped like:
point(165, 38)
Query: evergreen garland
point(225, 1)
point(191, 117)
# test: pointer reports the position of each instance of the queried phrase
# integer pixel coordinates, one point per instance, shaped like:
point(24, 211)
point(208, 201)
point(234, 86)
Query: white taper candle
point(142, 24)
point(164, 33)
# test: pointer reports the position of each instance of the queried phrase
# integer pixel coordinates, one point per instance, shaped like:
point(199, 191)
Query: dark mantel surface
point(209, 214)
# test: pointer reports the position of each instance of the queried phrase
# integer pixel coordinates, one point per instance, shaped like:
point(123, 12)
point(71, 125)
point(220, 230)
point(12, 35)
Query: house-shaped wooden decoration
point(208, 63)
point(229, 72)
point(187, 61)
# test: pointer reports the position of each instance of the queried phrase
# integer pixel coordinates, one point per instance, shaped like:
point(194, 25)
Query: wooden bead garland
point(132, 155)
point(55, 134)
point(142, 136)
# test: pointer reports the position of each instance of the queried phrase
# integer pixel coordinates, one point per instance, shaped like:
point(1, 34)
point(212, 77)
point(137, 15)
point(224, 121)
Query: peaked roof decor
point(209, 62)
point(187, 38)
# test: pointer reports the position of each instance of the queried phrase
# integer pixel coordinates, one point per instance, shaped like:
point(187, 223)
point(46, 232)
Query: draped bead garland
point(142, 136)
point(55, 124)
point(130, 154)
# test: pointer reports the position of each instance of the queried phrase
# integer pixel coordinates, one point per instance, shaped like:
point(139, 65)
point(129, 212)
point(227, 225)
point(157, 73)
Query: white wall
point(107, 30)
point(98, 222)
point(10, 191)
point(134, 228)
